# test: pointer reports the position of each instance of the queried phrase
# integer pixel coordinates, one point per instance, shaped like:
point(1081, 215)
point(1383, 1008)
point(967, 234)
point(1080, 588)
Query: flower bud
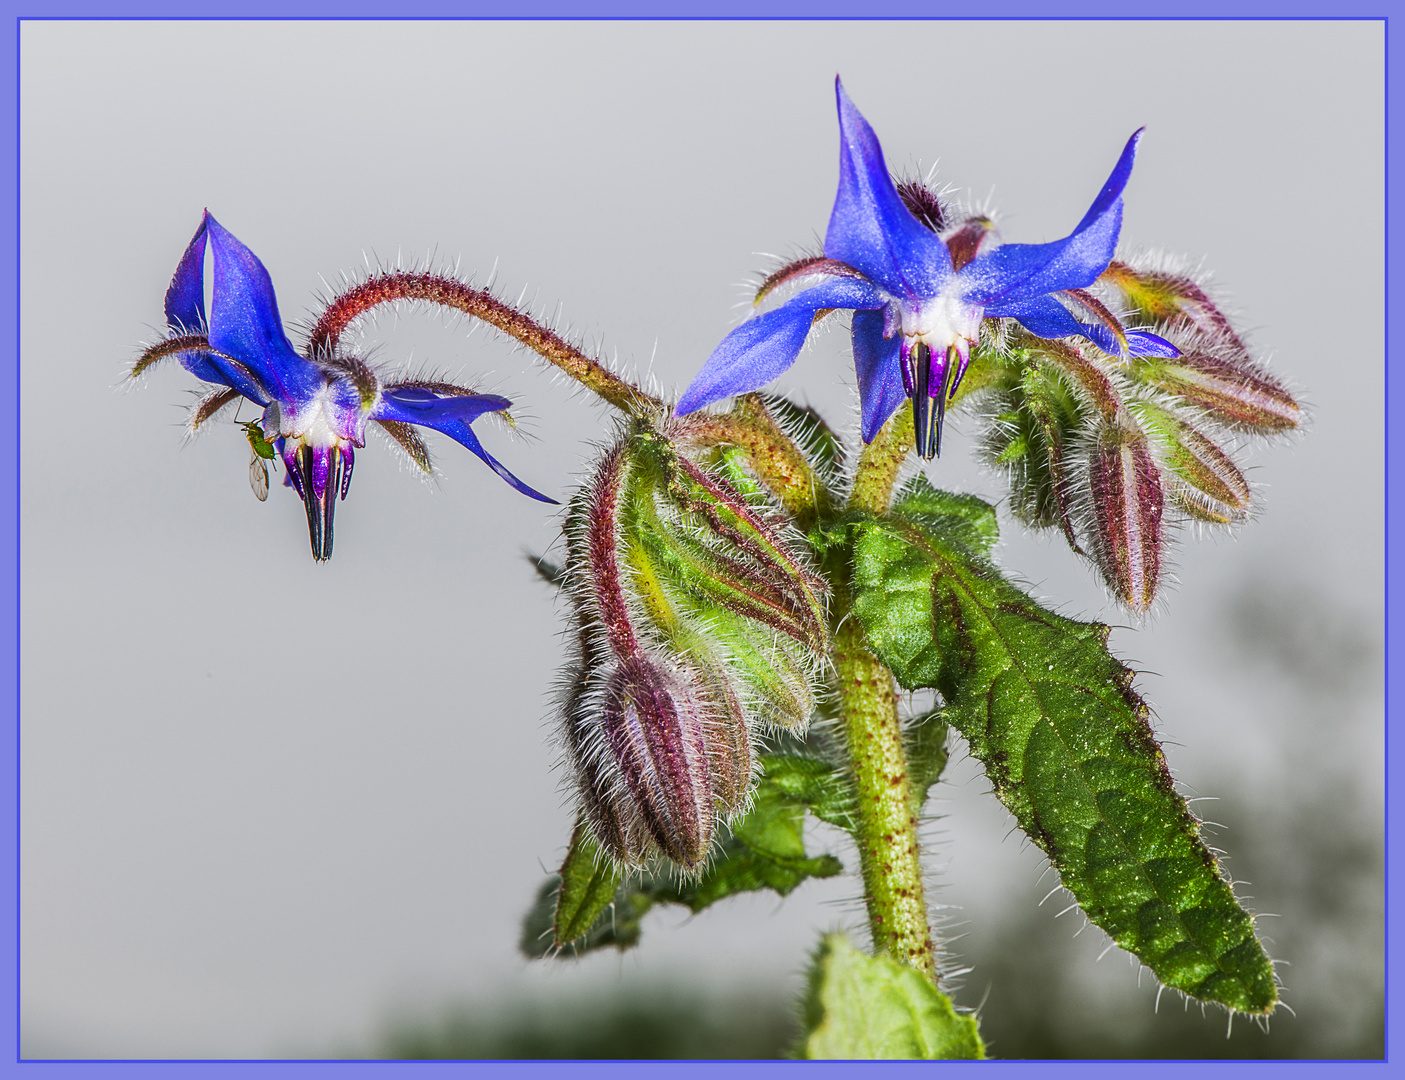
point(1206, 483)
point(656, 760)
point(1127, 504)
point(1234, 391)
point(1174, 299)
point(695, 625)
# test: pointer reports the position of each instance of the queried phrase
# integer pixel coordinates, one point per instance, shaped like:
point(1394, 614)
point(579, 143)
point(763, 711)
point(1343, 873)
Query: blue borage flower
point(315, 408)
point(918, 298)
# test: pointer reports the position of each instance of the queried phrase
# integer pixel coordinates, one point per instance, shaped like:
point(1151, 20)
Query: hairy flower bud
point(1127, 502)
point(1214, 370)
point(653, 731)
point(1206, 483)
point(1233, 390)
point(696, 624)
point(1160, 296)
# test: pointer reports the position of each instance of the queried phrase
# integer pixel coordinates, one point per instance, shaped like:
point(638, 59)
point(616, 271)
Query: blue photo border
point(631, 9)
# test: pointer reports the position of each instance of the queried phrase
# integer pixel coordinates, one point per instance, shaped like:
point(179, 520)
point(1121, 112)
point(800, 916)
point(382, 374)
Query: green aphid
point(261, 451)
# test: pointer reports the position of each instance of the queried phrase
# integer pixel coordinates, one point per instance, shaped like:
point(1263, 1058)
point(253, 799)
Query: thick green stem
point(889, 853)
point(879, 464)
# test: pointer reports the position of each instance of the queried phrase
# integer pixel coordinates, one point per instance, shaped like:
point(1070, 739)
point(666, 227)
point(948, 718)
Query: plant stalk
point(889, 853)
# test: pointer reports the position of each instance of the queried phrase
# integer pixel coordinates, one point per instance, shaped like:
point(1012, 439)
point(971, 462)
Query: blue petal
point(244, 321)
point(1045, 317)
point(450, 416)
point(1015, 272)
point(880, 376)
point(870, 228)
point(760, 349)
point(185, 299)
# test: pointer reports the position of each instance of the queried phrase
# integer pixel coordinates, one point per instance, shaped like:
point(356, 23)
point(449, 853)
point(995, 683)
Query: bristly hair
point(926, 207)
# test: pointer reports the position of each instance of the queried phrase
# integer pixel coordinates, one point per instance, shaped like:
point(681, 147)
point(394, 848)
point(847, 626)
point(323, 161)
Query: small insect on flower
point(316, 405)
point(260, 451)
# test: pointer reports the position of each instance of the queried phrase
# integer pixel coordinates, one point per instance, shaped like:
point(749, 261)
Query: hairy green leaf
point(588, 884)
point(765, 851)
point(924, 746)
point(861, 1006)
point(812, 784)
point(1067, 745)
point(590, 905)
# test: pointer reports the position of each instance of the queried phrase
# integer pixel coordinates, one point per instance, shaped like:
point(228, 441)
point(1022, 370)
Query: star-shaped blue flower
point(918, 298)
point(315, 409)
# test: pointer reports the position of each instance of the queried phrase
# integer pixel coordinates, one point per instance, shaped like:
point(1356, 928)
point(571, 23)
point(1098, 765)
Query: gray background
point(269, 806)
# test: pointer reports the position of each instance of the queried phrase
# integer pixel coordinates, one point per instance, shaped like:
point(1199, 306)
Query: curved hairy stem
point(387, 288)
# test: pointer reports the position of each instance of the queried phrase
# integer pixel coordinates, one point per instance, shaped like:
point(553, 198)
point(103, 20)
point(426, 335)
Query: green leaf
point(1067, 745)
point(812, 783)
point(588, 884)
point(924, 746)
point(589, 905)
point(860, 1006)
point(960, 519)
point(765, 851)
point(583, 907)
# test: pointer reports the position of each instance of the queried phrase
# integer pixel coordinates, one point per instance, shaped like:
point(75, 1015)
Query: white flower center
point(321, 422)
point(944, 321)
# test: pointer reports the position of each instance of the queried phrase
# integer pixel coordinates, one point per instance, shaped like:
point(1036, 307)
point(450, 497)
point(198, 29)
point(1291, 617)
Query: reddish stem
point(387, 288)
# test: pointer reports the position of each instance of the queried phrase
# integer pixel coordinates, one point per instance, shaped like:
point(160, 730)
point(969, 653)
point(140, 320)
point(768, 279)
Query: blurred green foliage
point(653, 1022)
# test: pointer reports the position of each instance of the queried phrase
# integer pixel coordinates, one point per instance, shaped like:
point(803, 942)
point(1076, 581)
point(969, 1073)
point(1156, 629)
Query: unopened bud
point(1234, 390)
point(1206, 483)
point(653, 735)
point(1169, 298)
point(695, 624)
point(1127, 505)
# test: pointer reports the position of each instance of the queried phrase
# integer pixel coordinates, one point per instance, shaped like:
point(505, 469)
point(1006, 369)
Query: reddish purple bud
point(923, 203)
point(1173, 299)
point(653, 727)
point(970, 238)
point(1234, 390)
point(1127, 505)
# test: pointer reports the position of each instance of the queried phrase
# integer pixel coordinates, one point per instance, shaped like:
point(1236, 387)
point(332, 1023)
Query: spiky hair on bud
point(1215, 372)
point(925, 204)
point(694, 626)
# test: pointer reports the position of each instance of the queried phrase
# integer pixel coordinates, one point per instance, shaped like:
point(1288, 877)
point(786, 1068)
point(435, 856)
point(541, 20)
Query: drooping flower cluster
point(316, 407)
point(696, 625)
point(1109, 450)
